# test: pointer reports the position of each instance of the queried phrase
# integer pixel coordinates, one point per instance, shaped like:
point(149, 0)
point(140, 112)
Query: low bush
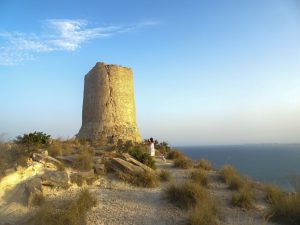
point(183, 162)
point(205, 164)
point(71, 213)
point(147, 179)
point(84, 162)
point(36, 139)
point(202, 208)
point(77, 179)
point(144, 179)
point(16, 154)
point(231, 177)
point(165, 175)
point(60, 148)
point(186, 195)
point(226, 172)
point(204, 214)
point(162, 147)
point(285, 208)
point(200, 176)
point(243, 198)
point(272, 192)
point(139, 152)
point(174, 154)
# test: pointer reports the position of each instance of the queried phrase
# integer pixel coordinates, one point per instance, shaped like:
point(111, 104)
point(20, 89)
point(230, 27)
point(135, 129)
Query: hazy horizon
point(205, 73)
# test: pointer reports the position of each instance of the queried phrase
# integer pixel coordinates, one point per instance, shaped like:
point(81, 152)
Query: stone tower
point(108, 105)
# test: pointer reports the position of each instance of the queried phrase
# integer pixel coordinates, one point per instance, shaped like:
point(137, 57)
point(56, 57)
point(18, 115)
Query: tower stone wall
point(109, 105)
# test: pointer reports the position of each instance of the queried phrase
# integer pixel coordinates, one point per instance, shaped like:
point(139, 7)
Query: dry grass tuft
point(174, 154)
point(284, 207)
point(202, 208)
point(144, 179)
point(205, 164)
point(204, 214)
point(272, 192)
point(73, 213)
point(59, 148)
point(165, 175)
point(85, 160)
point(231, 177)
point(243, 198)
point(183, 162)
point(185, 195)
point(200, 176)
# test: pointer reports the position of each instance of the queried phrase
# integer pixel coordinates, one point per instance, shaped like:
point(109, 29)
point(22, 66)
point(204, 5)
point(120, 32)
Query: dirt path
point(120, 203)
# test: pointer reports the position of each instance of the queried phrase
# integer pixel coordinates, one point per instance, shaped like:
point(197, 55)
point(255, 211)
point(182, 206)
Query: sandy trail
point(120, 203)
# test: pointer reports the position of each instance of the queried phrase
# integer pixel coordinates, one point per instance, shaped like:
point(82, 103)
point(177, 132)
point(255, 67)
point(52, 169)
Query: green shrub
point(162, 147)
point(243, 198)
point(186, 195)
point(140, 153)
point(200, 176)
point(183, 162)
point(33, 139)
point(71, 213)
point(165, 175)
point(205, 164)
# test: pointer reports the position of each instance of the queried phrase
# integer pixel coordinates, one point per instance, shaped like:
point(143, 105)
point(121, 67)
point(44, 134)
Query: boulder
point(47, 160)
point(9, 171)
point(120, 165)
point(98, 160)
point(42, 151)
point(68, 158)
point(99, 169)
point(34, 192)
point(135, 162)
point(56, 179)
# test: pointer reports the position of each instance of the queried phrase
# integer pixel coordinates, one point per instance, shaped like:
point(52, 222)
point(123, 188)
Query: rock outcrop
point(128, 165)
point(58, 179)
point(108, 105)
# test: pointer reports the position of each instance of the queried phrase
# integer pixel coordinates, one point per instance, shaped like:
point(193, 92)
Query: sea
point(270, 163)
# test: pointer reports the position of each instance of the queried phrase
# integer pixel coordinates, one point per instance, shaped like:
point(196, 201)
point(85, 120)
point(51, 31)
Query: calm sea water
point(268, 163)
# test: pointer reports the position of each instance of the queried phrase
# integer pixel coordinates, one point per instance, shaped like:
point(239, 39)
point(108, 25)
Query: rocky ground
point(121, 203)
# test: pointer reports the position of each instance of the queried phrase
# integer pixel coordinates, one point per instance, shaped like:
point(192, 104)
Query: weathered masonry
point(108, 105)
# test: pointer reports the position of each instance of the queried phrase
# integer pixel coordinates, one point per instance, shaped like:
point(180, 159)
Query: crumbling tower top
point(108, 104)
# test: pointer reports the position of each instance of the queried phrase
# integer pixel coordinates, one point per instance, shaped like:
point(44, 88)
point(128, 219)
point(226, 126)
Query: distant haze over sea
point(272, 163)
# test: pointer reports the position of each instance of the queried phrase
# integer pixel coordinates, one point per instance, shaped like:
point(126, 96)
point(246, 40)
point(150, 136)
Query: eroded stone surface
point(108, 105)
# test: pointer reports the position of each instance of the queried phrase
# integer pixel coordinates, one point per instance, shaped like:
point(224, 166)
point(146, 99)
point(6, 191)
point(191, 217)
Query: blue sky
point(206, 72)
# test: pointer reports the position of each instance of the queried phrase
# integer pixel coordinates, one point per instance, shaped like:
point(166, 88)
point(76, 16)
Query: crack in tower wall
point(109, 105)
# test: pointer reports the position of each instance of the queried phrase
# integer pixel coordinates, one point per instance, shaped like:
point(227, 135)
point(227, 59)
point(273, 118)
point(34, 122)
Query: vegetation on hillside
point(71, 212)
point(192, 196)
point(243, 196)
